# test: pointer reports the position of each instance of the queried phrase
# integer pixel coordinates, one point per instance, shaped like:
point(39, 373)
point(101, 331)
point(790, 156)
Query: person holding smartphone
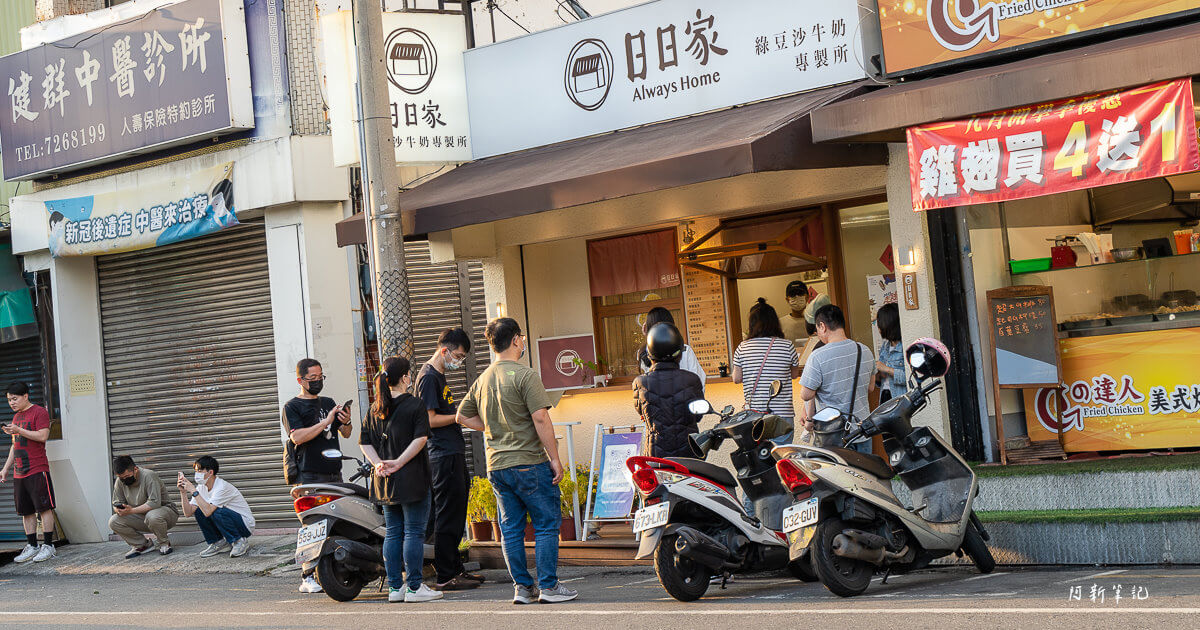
point(313, 423)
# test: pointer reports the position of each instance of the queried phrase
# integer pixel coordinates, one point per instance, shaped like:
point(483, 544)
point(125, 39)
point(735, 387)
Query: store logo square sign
point(654, 62)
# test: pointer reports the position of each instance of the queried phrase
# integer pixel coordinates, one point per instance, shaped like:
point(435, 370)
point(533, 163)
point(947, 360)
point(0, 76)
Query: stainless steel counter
point(1132, 323)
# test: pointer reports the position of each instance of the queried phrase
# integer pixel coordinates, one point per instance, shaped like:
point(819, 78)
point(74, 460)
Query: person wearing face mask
point(311, 424)
point(447, 461)
point(220, 509)
point(142, 505)
point(793, 323)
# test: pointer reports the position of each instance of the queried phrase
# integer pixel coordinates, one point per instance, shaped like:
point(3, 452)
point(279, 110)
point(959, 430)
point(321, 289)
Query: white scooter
point(847, 521)
point(693, 523)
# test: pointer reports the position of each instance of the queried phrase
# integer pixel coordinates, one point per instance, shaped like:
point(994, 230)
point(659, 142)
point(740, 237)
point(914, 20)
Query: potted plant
point(481, 509)
point(593, 372)
point(566, 488)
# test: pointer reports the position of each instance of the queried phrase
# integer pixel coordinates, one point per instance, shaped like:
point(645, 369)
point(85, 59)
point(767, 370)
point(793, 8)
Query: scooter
point(847, 522)
point(693, 523)
point(342, 536)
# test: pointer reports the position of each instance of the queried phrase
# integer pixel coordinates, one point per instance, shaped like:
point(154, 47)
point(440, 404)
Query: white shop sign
point(426, 88)
point(654, 62)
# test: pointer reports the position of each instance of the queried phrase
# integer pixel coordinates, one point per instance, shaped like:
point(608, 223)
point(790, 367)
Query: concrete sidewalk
point(268, 556)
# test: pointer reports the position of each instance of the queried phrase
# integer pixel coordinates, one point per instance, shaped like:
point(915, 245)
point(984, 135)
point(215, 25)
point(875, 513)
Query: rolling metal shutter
point(19, 361)
point(437, 297)
point(189, 357)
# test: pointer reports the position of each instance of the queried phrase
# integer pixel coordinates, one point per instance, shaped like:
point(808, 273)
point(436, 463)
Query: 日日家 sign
point(1072, 144)
point(927, 33)
point(178, 74)
point(427, 93)
point(654, 62)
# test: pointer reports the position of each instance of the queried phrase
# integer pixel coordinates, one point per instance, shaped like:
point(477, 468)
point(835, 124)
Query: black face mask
point(129, 481)
point(314, 387)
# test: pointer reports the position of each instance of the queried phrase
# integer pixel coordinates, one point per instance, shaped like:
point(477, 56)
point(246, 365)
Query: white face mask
point(200, 477)
point(451, 364)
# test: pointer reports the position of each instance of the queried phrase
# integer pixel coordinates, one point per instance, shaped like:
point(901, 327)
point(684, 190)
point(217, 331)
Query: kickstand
point(382, 581)
point(887, 572)
point(724, 579)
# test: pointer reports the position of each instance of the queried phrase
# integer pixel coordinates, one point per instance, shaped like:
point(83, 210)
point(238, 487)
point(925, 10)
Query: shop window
point(630, 275)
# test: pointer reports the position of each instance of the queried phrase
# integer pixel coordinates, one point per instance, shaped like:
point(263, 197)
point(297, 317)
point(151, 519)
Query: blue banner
point(614, 496)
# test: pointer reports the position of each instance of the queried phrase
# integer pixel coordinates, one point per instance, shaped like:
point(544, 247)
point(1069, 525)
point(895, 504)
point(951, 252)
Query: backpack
point(291, 469)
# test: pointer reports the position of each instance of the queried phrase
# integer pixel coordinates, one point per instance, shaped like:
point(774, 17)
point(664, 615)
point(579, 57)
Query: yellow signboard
point(1123, 392)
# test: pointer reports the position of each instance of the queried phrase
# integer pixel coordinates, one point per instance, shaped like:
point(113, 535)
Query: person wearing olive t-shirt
point(393, 439)
point(313, 424)
point(447, 462)
point(510, 405)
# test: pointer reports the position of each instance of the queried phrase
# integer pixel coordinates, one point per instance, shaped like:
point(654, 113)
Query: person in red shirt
point(34, 492)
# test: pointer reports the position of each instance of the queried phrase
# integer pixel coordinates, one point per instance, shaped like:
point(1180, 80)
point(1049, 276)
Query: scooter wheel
point(336, 580)
point(802, 569)
point(845, 577)
point(683, 579)
point(978, 550)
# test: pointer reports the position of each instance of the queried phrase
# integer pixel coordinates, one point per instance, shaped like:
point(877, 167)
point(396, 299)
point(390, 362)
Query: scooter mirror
point(827, 414)
point(916, 359)
point(776, 388)
point(331, 453)
point(700, 407)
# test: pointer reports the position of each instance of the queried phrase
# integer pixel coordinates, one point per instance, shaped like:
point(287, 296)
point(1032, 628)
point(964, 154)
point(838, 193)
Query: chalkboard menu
point(704, 304)
point(1024, 337)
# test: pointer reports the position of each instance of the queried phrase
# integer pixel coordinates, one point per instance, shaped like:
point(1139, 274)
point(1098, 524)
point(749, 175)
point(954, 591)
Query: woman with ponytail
point(393, 439)
point(766, 356)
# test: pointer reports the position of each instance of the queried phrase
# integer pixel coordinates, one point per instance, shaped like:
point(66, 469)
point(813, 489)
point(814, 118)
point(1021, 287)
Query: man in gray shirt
point(829, 374)
point(142, 505)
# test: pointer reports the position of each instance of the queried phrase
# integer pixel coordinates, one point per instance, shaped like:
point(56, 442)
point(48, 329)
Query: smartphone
point(346, 405)
point(119, 505)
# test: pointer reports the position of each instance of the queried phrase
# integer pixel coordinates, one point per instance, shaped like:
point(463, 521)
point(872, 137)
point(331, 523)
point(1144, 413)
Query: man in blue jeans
point(220, 509)
point(510, 406)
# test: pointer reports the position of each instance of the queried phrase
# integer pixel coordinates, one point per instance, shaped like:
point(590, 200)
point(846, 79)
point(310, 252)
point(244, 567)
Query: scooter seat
point(353, 487)
point(869, 463)
point(707, 470)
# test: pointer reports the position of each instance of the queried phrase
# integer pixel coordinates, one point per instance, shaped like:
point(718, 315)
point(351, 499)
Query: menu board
point(1024, 336)
point(704, 304)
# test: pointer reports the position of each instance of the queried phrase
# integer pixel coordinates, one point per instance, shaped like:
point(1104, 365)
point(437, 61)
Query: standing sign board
point(615, 492)
point(561, 362)
point(1024, 341)
point(178, 74)
point(426, 89)
point(183, 208)
point(930, 33)
point(1073, 144)
point(654, 62)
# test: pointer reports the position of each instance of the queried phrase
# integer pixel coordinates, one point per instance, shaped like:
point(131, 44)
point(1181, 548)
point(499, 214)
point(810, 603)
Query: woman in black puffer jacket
point(661, 396)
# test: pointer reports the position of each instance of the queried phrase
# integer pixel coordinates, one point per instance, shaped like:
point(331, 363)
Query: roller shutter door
point(438, 294)
point(189, 358)
point(19, 361)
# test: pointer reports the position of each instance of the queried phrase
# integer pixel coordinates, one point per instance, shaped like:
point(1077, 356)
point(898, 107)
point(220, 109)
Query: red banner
point(1056, 147)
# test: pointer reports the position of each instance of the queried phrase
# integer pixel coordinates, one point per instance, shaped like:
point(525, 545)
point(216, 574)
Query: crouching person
point(220, 509)
point(142, 505)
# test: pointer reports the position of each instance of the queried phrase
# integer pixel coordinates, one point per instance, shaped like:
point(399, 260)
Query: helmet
point(664, 343)
point(928, 357)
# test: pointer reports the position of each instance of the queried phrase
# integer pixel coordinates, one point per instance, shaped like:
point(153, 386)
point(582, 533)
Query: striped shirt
point(763, 360)
point(830, 373)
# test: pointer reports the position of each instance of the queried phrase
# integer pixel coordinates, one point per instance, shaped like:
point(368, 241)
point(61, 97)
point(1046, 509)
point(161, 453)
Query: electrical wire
point(105, 28)
point(510, 18)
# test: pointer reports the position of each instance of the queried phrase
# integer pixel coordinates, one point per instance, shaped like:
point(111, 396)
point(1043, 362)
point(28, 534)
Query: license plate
point(800, 515)
point(310, 534)
point(651, 517)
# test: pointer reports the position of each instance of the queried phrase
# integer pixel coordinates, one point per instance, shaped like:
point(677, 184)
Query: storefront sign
point(908, 282)
point(704, 307)
point(178, 74)
point(1023, 336)
point(147, 216)
point(426, 88)
point(563, 362)
point(653, 62)
point(1055, 147)
point(942, 32)
point(615, 492)
point(1131, 391)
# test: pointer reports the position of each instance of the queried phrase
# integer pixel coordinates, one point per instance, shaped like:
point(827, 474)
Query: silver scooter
point(847, 521)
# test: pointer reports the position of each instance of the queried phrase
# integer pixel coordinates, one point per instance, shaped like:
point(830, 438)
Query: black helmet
point(664, 343)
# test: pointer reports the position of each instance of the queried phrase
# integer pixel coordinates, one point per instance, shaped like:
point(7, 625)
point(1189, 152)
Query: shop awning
point(768, 136)
point(883, 115)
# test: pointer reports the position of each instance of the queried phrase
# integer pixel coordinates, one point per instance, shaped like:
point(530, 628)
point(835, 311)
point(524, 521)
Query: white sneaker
point(396, 594)
point(214, 548)
point(45, 552)
point(240, 547)
point(310, 585)
point(422, 594)
point(26, 554)
point(557, 594)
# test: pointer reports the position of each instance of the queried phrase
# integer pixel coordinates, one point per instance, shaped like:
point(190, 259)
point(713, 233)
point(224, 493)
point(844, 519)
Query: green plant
point(566, 489)
point(596, 368)
point(570, 482)
point(481, 502)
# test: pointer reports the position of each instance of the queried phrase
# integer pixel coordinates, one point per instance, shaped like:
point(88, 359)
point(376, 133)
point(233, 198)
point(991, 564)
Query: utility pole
point(381, 186)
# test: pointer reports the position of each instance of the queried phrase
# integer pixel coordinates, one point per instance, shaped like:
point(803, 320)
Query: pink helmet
point(934, 359)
